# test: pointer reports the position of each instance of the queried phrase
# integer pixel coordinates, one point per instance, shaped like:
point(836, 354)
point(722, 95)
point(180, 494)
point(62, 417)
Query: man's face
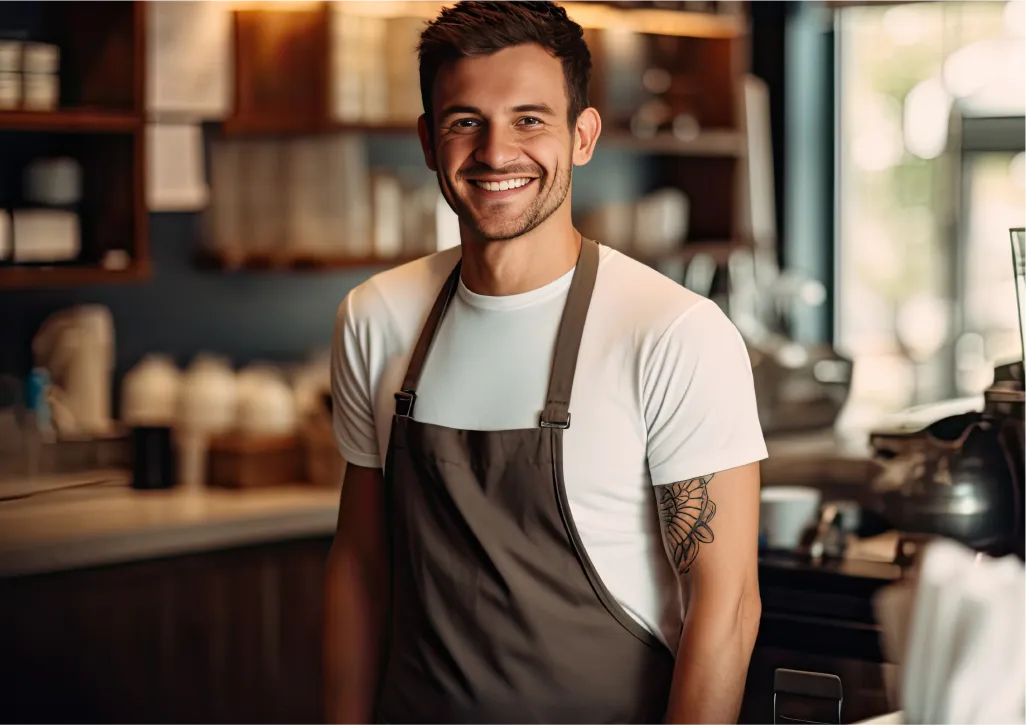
point(502, 148)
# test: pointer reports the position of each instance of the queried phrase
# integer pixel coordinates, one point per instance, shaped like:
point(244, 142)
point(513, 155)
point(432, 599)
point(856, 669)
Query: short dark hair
point(475, 28)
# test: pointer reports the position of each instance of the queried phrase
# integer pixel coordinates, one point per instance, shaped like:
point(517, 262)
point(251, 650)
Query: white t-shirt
point(663, 393)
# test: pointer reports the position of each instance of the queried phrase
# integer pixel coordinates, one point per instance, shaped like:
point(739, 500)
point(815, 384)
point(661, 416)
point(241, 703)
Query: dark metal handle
point(810, 685)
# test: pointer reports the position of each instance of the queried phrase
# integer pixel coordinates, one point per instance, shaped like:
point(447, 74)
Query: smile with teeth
point(504, 185)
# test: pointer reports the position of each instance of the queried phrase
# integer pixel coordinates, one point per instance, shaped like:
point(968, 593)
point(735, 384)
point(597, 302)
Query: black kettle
point(960, 477)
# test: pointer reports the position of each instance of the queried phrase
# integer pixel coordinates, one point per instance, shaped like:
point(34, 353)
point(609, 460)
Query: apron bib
point(497, 613)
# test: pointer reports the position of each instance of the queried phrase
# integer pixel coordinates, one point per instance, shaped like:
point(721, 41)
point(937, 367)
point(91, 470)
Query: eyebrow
point(540, 108)
point(534, 108)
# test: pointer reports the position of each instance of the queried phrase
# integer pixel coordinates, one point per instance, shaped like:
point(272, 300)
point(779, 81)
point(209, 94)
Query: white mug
point(784, 514)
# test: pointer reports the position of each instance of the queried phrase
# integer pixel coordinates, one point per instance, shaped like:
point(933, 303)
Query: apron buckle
point(404, 401)
point(562, 424)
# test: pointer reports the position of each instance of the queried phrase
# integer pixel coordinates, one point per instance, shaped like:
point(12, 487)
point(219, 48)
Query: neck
point(522, 264)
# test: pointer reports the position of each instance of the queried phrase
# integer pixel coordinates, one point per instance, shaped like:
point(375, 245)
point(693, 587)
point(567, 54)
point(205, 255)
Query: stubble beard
point(541, 208)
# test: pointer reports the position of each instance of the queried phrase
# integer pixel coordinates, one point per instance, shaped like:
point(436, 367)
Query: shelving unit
point(635, 17)
point(24, 277)
point(99, 122)
point(283, 90)
point(70, 120)
point(270, 261)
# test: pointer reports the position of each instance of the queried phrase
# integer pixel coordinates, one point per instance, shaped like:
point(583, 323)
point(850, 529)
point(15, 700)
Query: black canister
point(153, 458)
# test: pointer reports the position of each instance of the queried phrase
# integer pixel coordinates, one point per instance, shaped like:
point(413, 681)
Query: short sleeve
point(699, 399)
point(352, 399)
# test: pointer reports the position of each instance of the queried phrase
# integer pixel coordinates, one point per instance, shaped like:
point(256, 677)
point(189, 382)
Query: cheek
point(452, 155)
point(548, 152)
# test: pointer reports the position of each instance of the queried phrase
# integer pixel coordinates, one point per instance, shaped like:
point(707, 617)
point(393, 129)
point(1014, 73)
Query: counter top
point(892, 719)
point(100, 520)
point(841, 465)
point(104, 524)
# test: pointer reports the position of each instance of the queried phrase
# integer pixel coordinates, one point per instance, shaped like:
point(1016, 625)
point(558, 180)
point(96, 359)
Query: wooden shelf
point(708, 143)
point(270, 126)
point(720, 251)
point(285, 260)
point(31, 277)
point(589, 15)
point(70, 120)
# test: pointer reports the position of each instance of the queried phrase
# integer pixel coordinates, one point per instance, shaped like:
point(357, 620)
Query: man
point(550, 509)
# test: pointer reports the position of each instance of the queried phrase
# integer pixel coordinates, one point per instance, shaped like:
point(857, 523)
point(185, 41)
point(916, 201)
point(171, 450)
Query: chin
point(496, 227)
point(499, 232)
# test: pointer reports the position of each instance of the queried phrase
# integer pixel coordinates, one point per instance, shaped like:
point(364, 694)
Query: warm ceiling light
point(655, 22)
point(592, 15)
point(275, 5)
point(390, 8)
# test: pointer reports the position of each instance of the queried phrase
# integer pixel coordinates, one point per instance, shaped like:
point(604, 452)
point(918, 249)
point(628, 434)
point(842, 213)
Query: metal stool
point(806, 697)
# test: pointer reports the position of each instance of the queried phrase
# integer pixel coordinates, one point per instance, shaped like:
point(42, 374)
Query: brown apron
point(498, 614)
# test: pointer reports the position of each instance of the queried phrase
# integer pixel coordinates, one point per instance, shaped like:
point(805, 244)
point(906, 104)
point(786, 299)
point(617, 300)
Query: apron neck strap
point(407, 395)
point(568, 340)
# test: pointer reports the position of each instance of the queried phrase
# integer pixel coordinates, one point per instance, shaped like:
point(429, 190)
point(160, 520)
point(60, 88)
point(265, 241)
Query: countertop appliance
point(961, 476)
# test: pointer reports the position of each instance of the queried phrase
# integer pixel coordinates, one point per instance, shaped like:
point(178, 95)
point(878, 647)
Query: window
point(930, 178)
point(991, 205)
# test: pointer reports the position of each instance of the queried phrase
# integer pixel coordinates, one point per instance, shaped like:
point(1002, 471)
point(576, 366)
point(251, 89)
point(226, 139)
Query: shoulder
point(705, 323)
point(398, 297)
point(633, 297)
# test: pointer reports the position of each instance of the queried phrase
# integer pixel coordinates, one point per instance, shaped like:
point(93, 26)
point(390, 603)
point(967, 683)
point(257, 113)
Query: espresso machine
point(960, 477)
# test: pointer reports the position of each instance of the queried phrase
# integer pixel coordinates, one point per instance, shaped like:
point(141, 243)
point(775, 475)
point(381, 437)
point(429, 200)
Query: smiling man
point(550, 511)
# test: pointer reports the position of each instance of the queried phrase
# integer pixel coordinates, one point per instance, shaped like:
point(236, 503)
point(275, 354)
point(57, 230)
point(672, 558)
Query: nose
point(497, 147)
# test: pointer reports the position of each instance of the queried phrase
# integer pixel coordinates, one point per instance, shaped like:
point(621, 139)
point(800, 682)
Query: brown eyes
point(465, 124)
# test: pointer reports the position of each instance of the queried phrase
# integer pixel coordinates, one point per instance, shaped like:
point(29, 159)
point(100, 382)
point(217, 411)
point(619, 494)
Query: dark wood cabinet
point(235, 636)
point(863, 683)
point(820, 618)
point(227, 636)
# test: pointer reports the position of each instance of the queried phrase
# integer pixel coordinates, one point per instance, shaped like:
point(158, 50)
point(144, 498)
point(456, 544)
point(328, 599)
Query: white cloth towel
point(960, 644)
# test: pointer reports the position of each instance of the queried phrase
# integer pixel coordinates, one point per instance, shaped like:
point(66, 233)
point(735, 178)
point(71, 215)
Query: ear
point(586, 134)
point(426, 142)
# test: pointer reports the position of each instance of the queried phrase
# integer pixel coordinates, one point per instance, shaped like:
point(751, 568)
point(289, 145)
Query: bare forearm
point(712, 664)
point(354, 617)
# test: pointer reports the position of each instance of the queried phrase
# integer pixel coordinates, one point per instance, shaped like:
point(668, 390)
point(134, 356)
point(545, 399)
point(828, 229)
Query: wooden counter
point(164, 606)
point(96, 526)
point(112, 523)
